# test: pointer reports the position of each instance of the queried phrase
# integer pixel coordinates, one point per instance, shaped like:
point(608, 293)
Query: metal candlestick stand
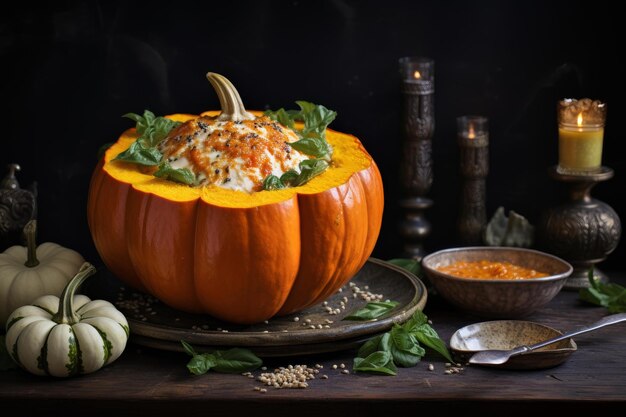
point(583, 231)
point(416, 171)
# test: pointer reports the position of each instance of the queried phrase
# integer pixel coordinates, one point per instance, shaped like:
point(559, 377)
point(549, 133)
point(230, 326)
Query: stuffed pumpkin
point(66, 336)
point(240, 215)
point(32, 271)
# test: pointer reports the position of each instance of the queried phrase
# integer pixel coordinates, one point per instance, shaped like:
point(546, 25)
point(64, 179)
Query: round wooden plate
point(314, 330)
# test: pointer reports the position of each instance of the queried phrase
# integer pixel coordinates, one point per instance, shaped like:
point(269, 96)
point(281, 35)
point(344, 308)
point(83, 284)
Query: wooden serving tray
point(153, 324)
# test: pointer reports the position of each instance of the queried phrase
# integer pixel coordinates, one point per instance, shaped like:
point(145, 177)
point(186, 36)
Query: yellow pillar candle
point(581, 134)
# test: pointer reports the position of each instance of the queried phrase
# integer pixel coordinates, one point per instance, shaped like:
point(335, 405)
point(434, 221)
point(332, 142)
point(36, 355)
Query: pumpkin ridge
point(107, 345)
point(42, 360)
point(345, 271)
point(73, 365)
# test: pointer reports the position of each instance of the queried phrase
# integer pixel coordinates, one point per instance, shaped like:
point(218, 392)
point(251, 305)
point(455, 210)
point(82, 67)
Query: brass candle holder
point(416, 170)
point(583, 230)
point(473, 139)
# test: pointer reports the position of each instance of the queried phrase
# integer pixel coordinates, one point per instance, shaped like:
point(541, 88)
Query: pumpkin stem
point(30, 230)
point(66, 313)
point(230, 101)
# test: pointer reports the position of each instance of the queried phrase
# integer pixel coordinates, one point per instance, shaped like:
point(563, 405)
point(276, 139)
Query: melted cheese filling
point(232, 155)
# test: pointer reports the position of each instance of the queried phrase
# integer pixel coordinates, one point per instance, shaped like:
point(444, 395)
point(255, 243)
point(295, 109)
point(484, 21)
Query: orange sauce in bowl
point(490, 270)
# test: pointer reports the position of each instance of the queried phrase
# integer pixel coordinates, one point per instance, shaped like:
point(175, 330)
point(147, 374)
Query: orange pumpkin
point(241, 257)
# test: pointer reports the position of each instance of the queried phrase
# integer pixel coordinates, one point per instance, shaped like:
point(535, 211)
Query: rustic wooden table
point(157, 382)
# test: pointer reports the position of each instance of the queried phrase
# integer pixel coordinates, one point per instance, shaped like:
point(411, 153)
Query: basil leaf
point(611, 296)
point(371, 346)
point(159, 130)
point(181, 175)
point(272, 182)
point(236, 360)
point(282, 117)
point(201, 364)
point(316, 147)
point(289, 177)
point(309, 169)
point(139, 154)
point(404, 348)
point(427, 336)
point(316, 118)
point(417, 319)
point(226, 361)
point(6, 362)
point(142, 122)
point(372, 310)
point(378, 362)
point(152, 130)
point(188, 348)
point(412, 265)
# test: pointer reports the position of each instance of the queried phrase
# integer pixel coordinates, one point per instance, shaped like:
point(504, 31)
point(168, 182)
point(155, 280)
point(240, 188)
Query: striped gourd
point(66, 336)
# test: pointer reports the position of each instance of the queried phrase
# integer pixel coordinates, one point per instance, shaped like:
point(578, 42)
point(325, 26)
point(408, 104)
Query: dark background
point(70, 69)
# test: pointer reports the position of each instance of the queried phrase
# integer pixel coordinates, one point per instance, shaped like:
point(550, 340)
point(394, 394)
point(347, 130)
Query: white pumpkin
point(69, 335)
point(30, 272)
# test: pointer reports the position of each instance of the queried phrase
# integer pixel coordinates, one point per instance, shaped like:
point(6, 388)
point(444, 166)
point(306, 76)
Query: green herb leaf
point(142, 122)
point(315, 146)
point(236, 360)
point(316, 119)
point(372, 310)
point(188, 348)
point(181, 175)
point(404, 347)
point(371, 346)
point(427, 336)
point(309, 169)
point(611, 296)
point(412, 265)
point(6, 362)
point(226, 361)
point(152, 130)
point(380, 362)
point(272, 182)
point(201, 364)
point(137, 153)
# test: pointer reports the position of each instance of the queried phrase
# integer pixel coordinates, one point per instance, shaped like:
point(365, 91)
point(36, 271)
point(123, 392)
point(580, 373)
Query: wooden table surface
point(145, 380)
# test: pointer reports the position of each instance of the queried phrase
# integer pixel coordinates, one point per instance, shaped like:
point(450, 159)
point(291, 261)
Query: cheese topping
point(232, 155)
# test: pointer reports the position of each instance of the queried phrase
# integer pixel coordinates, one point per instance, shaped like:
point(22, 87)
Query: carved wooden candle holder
point(473, 139)
point(416, 171)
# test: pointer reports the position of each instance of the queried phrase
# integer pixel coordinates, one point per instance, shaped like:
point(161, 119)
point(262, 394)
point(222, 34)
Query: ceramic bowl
point(507, 334)
point(497, 298)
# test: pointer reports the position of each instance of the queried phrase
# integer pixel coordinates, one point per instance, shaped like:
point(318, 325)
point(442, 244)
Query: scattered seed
point(345, 371)
point(308, 321)
point(296, 319)
point(263, 390)
point(431, 367)
point(334, 366)
point(342, 366)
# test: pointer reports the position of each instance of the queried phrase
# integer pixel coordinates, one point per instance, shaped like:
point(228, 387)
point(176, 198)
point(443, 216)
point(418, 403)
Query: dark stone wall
point(70, 69)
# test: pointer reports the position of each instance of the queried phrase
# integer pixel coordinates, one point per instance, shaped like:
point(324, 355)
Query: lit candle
point(581, 133)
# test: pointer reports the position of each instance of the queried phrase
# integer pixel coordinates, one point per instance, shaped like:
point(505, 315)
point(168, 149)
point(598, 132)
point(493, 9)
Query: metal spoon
point(498, 357)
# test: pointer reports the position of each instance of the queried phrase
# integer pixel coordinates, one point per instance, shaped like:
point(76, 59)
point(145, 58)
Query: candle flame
point(579, 120)
point(471, 134)
point(417, 75)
